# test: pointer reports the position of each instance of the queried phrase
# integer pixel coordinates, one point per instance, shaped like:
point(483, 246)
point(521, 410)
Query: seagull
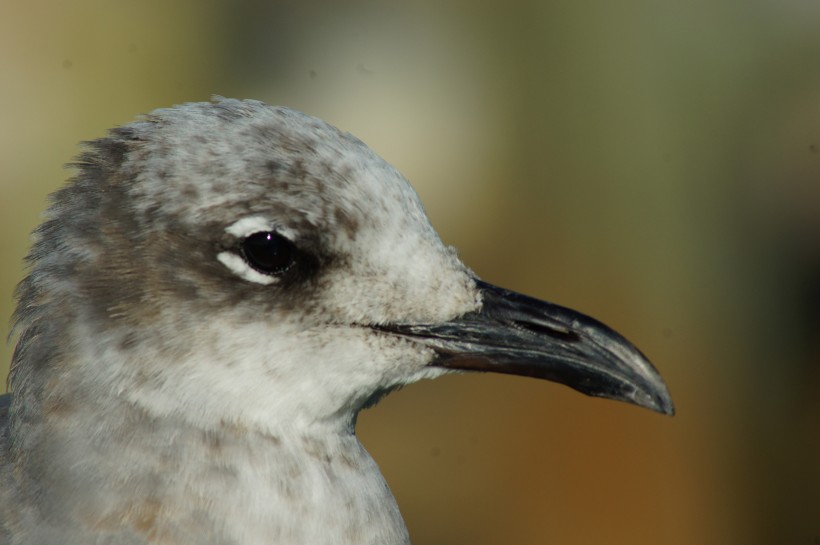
point(211, 301)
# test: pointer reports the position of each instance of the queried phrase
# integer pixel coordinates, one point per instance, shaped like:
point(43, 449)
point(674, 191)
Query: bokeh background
point(653, 163)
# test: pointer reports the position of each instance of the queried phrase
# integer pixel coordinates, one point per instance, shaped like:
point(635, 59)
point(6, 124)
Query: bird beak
point(519, 335)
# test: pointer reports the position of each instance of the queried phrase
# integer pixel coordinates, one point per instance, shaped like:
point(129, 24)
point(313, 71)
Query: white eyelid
point(248, 226)
point(256, 224)
point(239, 267)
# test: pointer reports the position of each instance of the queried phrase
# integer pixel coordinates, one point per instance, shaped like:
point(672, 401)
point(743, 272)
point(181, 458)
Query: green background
point(653, 163)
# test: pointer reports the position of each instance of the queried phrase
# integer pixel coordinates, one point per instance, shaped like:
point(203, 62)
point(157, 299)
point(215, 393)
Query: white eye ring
point(244, 228)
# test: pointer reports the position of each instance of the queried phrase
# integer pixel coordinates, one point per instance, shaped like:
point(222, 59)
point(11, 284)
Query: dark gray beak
point(520, 335)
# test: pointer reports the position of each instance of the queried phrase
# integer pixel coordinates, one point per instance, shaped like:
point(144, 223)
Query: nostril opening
point(560, 333)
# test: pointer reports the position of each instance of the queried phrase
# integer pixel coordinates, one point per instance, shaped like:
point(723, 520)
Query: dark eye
point(268, 252)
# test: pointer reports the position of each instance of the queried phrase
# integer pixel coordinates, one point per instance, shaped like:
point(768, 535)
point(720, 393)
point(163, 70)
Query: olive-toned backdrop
point(653, 163)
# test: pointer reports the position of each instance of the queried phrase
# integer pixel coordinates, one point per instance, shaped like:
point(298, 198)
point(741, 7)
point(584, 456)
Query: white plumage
point(211, 301)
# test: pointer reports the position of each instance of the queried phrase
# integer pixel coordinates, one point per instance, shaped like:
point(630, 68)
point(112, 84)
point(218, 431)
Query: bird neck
point(141, 458)
point(132, 474)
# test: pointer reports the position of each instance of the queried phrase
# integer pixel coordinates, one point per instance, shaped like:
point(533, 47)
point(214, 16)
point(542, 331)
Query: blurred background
point(655, 164)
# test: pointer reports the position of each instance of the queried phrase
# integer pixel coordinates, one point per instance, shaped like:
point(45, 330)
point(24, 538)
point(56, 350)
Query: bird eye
point(268, 252)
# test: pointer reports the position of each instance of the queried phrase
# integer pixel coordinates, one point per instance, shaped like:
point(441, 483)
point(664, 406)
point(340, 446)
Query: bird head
point(232, 261)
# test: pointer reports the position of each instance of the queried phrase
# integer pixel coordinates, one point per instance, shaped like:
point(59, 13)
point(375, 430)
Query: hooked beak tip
point(656, 399)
